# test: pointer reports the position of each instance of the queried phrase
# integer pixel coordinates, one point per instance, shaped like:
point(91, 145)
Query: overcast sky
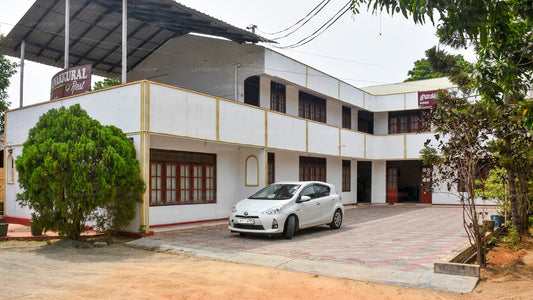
point(363, 49)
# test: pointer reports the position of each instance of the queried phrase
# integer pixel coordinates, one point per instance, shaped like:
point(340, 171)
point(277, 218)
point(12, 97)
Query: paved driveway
point(383, 243)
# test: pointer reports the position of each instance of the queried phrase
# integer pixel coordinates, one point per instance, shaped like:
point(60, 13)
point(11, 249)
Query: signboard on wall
point(427, 98)
point(71, 82)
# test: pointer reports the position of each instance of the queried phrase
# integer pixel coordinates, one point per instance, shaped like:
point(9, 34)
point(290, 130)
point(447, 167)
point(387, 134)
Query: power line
point(299, 21)
point(306, 21)
point(321, 29)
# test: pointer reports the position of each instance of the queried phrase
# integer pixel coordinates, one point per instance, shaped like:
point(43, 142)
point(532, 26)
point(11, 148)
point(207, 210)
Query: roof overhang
point(96, 32)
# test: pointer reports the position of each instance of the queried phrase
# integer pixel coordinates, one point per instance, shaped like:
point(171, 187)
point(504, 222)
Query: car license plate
point(245, 221)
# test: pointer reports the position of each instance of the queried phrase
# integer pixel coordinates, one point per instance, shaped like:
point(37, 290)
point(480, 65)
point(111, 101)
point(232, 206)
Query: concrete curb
point(457, 262)
point(418, 279)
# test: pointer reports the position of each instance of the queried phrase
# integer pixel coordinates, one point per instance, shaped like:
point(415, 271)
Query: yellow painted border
point(266, 128)
point(340, 141)
point(266, 167)
point(404, 146)
point(218, 120)
point(145, 155)
point(246, 170)
point(364, 154)
point(306, 136)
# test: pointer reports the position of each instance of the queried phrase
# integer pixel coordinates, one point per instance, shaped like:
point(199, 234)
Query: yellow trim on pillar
point(340, 142)
point(404, 101)
point(145, 154)
point(266, 128)
point(364, 134)
point(266, 166)
point(405, 146)
point(306, 136)
point(218, 120)
point(364, 100)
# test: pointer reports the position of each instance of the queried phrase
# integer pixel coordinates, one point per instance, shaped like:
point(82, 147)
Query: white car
point(285, 207)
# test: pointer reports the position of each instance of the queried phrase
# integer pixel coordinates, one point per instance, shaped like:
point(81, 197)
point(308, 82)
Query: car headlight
point(274, 210)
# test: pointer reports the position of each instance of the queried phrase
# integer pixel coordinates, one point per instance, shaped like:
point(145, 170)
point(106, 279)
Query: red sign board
point(71, 82)
point(427, 98)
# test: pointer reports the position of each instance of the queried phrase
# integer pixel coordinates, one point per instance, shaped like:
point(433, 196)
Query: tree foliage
point(500, 31)
point(421, 71)
point(76, 172)
point(107, 82)
point(439, 64)
point(462, 131)
point(7, 69)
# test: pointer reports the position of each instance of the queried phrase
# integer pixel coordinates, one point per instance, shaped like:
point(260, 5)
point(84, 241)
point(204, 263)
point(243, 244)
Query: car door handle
point(318, 203)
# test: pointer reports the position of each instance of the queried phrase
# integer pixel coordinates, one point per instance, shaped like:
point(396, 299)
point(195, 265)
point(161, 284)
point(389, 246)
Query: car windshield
point(276, 192)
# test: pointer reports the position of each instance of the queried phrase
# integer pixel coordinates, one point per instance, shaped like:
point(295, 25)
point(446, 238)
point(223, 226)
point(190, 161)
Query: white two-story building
point(213, 119)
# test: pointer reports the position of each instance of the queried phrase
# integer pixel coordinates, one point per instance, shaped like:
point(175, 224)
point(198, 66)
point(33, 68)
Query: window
point(277, 96)
point(346, 117)
point(316, 191)
point(365, 121)
point(271, 168)
point(178, 177)
point(406, 122)
point(251, 90)
point(393, 125)
point(346, 176)
point(312, 169)
point(311, 107)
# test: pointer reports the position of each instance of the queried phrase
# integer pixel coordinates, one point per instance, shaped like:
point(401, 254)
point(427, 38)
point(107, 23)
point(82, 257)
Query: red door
point(425, 184)
point(392, 185)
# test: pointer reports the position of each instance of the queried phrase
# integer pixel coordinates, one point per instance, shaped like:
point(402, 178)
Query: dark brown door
point(425, 184)
point(392, 185)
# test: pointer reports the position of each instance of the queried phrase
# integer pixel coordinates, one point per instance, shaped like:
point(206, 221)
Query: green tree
point(501, 33)
point(7, 69)
point(422, 70)
point(438, 63)
point(461, 151)
point(107, 82)
point(76, 172)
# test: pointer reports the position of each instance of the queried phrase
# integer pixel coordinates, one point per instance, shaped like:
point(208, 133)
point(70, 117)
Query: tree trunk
point(515, 215)
point(480, 249)
point(523, 205)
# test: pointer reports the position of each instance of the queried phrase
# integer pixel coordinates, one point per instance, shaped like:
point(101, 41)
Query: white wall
point(231, 187)
point(379, 181)
point(291, 93)
point(116, 106)
point(381, 123)
point(334, 113)
point(202, 64)
point(286, 132)
point(182, 113)
point(323, 139)
point(287, 166)
point(264, 92)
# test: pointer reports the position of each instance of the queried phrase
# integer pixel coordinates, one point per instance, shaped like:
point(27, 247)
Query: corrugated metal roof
point(410, 86)
point(96, 32)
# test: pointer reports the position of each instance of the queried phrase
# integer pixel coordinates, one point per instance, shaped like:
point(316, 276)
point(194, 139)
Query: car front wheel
point(337, 220)
point(290, 226)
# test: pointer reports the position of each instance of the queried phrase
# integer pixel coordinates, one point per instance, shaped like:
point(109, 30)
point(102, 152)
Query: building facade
point(213, 121)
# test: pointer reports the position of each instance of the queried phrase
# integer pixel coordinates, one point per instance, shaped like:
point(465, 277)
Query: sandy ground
point(66, 270)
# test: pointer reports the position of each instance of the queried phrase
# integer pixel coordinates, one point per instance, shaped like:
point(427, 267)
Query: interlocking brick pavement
point(405, 237)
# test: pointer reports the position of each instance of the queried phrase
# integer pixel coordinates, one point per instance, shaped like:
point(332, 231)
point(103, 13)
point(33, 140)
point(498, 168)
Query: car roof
point(302, 182)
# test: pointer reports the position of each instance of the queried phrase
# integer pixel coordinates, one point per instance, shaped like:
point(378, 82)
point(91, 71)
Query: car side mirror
point(304, 199)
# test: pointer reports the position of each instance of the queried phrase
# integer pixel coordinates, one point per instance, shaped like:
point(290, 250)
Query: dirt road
point(62, 270)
